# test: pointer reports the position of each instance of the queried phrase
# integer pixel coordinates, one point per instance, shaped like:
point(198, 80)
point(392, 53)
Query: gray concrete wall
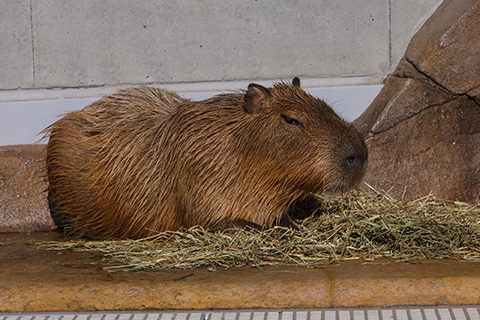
point(83, 43)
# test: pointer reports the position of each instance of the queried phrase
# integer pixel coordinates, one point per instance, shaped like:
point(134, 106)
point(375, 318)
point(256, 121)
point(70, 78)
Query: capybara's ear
point(296, 82)
point(256, 98)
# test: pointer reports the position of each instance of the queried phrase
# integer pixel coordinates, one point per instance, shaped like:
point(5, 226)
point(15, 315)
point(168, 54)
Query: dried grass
point(360, 225)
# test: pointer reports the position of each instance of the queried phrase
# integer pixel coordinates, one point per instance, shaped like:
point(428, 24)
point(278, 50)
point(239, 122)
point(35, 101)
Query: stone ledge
point(23, 201)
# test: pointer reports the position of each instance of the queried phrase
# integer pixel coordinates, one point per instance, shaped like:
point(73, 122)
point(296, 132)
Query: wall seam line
point(390, 35)
point(33, 44)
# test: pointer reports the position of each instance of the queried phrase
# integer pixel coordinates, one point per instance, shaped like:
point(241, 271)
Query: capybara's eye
point(292, 121)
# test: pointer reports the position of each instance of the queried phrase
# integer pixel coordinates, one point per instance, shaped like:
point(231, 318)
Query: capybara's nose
point(351, 160)
point(355, 159)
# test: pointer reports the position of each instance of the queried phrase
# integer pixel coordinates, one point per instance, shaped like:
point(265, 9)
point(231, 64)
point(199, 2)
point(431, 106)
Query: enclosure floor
point(35, 280)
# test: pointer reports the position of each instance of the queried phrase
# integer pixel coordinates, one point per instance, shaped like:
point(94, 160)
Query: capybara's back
point(145, 160)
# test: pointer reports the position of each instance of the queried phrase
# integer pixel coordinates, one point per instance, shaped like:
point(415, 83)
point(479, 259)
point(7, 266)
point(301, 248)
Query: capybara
point(145, 160)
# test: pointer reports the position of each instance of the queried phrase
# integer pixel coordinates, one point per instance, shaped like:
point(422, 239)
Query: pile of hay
point(359, 225)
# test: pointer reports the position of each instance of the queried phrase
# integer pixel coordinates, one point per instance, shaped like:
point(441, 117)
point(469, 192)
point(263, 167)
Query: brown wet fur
point(145, 160)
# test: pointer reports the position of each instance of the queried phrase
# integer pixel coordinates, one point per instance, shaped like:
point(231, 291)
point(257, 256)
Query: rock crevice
point(471, 94)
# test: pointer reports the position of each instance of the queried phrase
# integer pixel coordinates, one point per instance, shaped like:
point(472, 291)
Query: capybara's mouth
point(340, 188)
point(346, 183)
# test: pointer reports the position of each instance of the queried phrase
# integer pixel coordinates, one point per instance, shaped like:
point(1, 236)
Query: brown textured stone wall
point(423, 129)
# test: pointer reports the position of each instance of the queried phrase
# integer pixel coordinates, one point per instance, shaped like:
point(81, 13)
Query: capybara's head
point(315, 148)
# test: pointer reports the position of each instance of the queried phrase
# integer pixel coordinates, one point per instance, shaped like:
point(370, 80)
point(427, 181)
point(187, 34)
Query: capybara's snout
point(351, 163)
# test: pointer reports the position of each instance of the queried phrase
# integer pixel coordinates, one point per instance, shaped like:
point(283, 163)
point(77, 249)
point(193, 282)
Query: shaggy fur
point(145, 160)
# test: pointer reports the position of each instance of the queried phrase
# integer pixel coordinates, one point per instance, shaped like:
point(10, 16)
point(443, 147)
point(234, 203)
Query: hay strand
point(360, 225)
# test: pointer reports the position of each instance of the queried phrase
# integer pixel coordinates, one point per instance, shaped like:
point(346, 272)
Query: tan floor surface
point(35, 280)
